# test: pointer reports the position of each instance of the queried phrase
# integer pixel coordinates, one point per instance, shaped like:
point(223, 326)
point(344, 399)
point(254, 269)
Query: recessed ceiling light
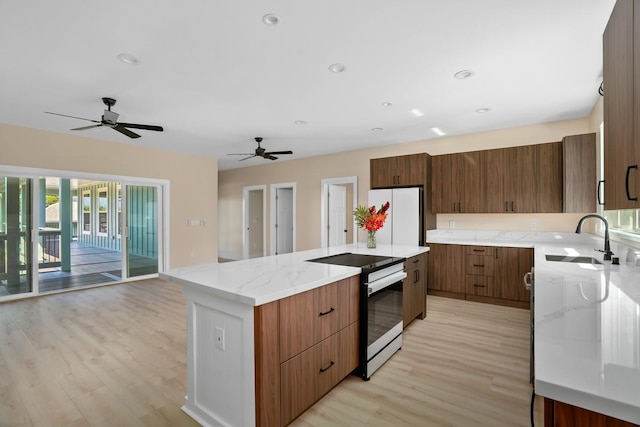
point(337, 68)
point(437, 131)
point(128, 58)
point(271, 19)
point(377, 129)
point(417, 112)
point(483, 110)
point(464, 74)
point(300, 122)
point(387, 104)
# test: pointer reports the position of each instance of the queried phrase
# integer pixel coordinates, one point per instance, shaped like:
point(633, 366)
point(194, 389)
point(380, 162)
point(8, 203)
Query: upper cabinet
point(580, 185)
point(399, 171)
point(456, 182)
point(621, 68)
point(519, 179)
point(413, 170)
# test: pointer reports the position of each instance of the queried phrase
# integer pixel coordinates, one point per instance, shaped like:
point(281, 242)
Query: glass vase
point(371, 239)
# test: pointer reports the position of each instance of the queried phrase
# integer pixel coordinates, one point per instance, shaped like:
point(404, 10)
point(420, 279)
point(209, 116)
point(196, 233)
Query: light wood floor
point(115, 356)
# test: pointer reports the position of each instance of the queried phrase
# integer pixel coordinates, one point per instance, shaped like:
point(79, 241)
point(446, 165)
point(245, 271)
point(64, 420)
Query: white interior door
point(284, 220)
point(253, 222)
point(337, 205)
point(377, 198)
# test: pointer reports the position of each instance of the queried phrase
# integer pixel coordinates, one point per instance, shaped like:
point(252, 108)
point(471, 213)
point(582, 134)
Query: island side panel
point(220, 375)
point(267, 345)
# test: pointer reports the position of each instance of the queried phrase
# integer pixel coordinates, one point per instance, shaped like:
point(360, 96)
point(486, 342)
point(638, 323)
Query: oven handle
point(375, 286)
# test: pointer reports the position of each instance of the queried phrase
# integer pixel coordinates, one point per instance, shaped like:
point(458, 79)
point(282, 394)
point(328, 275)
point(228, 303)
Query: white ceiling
point(215, 76)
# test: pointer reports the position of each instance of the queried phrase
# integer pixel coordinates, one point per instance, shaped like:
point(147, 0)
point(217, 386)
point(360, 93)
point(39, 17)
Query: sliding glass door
point(65, 232)
point(143, 231)
point(15, 236)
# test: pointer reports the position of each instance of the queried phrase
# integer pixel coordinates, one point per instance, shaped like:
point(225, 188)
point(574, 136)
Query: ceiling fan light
point(377, 129)
point(300, 122)
point(483, 110)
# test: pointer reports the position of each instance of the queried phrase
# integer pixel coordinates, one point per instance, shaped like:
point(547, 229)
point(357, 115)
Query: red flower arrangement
point(371, 220)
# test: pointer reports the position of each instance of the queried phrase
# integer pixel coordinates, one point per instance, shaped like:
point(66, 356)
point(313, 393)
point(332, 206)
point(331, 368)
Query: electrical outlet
point(219, 338)
point(534, 226)
point(452, 224)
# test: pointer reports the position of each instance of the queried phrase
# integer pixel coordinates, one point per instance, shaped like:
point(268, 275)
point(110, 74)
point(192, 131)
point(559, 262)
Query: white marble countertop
point(259, 281)
point(587, 319)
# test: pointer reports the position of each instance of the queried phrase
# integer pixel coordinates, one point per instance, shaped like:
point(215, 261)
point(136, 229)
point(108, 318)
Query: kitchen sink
point(575, 259)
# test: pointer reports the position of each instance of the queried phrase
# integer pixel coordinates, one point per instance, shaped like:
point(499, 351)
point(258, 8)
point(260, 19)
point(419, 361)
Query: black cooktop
point(359, 260)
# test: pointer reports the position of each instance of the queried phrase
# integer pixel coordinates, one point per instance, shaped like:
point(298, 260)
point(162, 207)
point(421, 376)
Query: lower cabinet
point(414, 290)
point(480, 273)
point(304, 346)
point(560, 414)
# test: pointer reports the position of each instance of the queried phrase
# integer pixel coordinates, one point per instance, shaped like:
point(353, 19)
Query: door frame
point(324, 194)
point(245, 218)
point(272, 214)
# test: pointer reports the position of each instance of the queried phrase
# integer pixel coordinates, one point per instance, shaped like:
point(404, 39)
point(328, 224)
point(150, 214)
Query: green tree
point(51, 199)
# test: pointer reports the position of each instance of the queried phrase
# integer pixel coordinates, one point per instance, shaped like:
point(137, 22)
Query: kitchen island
point(586, 321)
point(226, 322)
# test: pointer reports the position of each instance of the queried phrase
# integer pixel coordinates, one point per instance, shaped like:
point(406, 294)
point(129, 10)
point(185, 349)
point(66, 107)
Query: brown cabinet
point(560, 414)
point(413, 170)
point(399, 171)
point(446, 270)
point(518, 179)
point(305, 345)
point(456, 183)
point(480, 273)
point(511, 264)
point(621, 106)
point(579, 173)
point(414, 292)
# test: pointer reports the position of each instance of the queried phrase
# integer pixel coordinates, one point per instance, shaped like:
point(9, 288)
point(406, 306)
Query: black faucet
point(607, 247)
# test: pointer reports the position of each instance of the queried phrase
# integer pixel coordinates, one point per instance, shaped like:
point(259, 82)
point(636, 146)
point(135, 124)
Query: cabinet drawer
point(481, 250)
point(480, 285)
point(480, 265)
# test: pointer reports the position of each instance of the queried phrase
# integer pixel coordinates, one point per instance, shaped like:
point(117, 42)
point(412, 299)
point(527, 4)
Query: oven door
point(384, 312)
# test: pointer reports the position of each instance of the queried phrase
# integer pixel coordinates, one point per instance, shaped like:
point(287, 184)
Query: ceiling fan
point(261, 152)
point(110, 119)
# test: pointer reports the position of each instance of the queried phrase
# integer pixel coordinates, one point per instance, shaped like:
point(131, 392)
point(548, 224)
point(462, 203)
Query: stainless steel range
point(380, 306)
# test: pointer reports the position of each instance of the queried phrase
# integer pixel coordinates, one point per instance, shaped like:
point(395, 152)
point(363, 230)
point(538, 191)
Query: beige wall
point(309, 172)
point(192, 190)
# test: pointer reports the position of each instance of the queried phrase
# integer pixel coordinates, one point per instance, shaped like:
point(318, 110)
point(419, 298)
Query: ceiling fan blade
point(73, 117)
point(125, 131)
point(278, 152)
point(240, 154)
point(88, 127)
point(247, 158)
point(270, 157)
point(144, 127)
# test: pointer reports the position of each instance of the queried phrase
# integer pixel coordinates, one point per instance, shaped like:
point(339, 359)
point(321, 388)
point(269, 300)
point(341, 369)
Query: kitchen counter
point(587, 319)
point(222, 327)
point(259, 281)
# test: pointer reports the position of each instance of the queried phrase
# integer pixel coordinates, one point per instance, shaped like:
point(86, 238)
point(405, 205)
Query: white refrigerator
point(404, 224)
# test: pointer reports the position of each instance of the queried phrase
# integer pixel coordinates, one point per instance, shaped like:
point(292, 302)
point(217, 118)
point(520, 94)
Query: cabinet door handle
point(479, 250)
point(415, 261)
point(454, 206)
point(496, 249)
point(460, 207)
point(478, 265)
point(512, 207)
point(478, 286)
point(600, 202)
point(324, 313)
point(506, 206)
point(328, 367)
point(626, 183)
point(417, 273)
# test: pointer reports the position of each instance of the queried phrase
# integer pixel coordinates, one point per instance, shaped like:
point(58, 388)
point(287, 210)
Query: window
point(103, 211)
point(86, 212)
